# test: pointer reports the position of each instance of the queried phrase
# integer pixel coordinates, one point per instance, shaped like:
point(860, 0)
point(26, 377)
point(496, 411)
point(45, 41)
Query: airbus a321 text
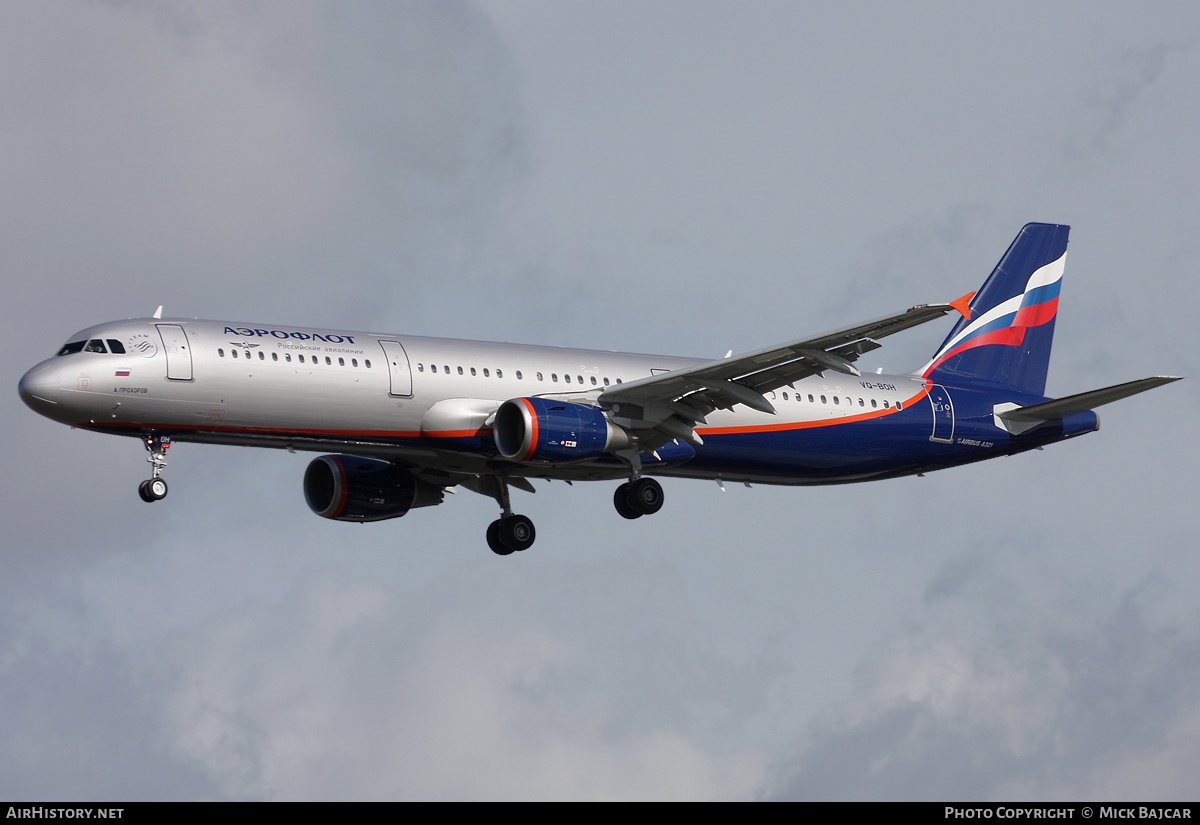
point(407, 418)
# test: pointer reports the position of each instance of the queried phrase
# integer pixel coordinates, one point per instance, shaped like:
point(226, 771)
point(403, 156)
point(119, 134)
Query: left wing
point(664, 407)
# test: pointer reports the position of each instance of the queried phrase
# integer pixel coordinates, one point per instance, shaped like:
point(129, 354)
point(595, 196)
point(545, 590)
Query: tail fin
point(1006, 338)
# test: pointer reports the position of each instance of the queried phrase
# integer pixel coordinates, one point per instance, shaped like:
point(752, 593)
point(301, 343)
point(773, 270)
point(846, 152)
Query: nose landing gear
point(155, 488)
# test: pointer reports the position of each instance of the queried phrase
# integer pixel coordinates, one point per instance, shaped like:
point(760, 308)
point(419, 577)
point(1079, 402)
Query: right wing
point(663, 407)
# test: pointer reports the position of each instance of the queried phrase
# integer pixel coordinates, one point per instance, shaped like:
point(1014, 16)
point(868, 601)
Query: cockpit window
point(95, 345)
point(115, 346)
point(74, 346)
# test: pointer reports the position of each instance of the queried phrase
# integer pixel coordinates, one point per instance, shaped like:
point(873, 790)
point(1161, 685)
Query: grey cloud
point(472, 690)
point(1033, 708)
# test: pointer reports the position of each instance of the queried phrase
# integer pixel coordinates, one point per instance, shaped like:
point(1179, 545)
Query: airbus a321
point(408, 418)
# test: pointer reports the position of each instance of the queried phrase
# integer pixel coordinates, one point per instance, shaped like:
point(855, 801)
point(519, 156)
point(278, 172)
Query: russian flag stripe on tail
point(1006, 341)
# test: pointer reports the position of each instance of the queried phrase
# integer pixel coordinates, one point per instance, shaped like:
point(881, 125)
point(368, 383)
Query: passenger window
point(823, 401)
point(367, 363)
point(341, 362)
point(446, 368)
point(785, 398)
point(354, 362)
point(518, 375)
point(540, 377)
point(860, 403)
point(460, 370)
point(618, 380)
point(554, 377)
point(606, 381)
point(567, 379)
point(810, 398)
point(116, 347)
point(885, 404)
point(420, 368)
point(593, 380)
point(262, 356)
point(274, 356)
point(873, 404)
point(499, 373)
point(328, 363)
point(95, 345)
point(301, 357)
point(899, 406)
point(835, 400)
point(486, 374)
point(220, 352)
point(472, 370)
point(579, 379)
point(287, 356)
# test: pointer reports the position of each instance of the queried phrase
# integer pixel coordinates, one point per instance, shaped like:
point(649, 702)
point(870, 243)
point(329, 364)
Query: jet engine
point(548, 430)
point(350, 488)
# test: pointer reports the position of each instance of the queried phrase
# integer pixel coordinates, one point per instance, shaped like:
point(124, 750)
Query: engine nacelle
point(350, 488)
point(539, 428)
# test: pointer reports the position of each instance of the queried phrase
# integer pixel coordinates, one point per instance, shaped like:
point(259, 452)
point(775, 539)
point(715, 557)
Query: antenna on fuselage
point(158, 312)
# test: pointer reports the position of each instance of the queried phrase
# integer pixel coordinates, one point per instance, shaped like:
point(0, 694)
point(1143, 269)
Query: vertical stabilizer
point(1006, 340)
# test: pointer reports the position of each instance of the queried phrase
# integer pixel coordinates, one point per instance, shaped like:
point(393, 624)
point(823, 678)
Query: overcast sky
point(675, 177)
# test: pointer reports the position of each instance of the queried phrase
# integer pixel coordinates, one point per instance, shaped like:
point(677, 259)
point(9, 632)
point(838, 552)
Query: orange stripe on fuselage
point(482, 431)
point(226, 428)
point(803, 425)
point(201, 428)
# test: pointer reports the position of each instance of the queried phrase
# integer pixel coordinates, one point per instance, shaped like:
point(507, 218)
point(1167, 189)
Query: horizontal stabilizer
point(1062, 407)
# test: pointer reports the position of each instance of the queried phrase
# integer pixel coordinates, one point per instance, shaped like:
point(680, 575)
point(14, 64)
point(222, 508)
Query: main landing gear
point(155, 488)
point(510, 533)
point(640, 497)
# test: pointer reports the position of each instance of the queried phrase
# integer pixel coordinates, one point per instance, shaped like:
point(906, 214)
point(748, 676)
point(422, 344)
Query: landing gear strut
point(509, 533)
point(640, 497)
point(155, 488)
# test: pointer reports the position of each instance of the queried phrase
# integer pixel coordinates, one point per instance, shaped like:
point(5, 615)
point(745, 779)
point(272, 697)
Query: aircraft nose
point(39, 388)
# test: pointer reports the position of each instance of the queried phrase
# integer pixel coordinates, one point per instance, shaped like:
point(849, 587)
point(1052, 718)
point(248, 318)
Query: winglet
point(158, 313)
point(962, 305)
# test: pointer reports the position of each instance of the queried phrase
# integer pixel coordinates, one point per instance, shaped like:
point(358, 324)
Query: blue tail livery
point(1006, 336)
point(408, 418)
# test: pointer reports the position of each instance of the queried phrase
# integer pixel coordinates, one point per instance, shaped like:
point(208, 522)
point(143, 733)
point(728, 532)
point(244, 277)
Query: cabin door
point(943, 414)
point(399, 373)
point(179, 354)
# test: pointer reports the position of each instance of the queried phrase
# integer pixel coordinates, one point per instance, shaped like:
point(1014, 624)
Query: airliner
point(406, 419)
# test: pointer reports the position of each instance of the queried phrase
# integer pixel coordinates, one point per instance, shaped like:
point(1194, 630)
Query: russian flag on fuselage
point(1008, 337)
